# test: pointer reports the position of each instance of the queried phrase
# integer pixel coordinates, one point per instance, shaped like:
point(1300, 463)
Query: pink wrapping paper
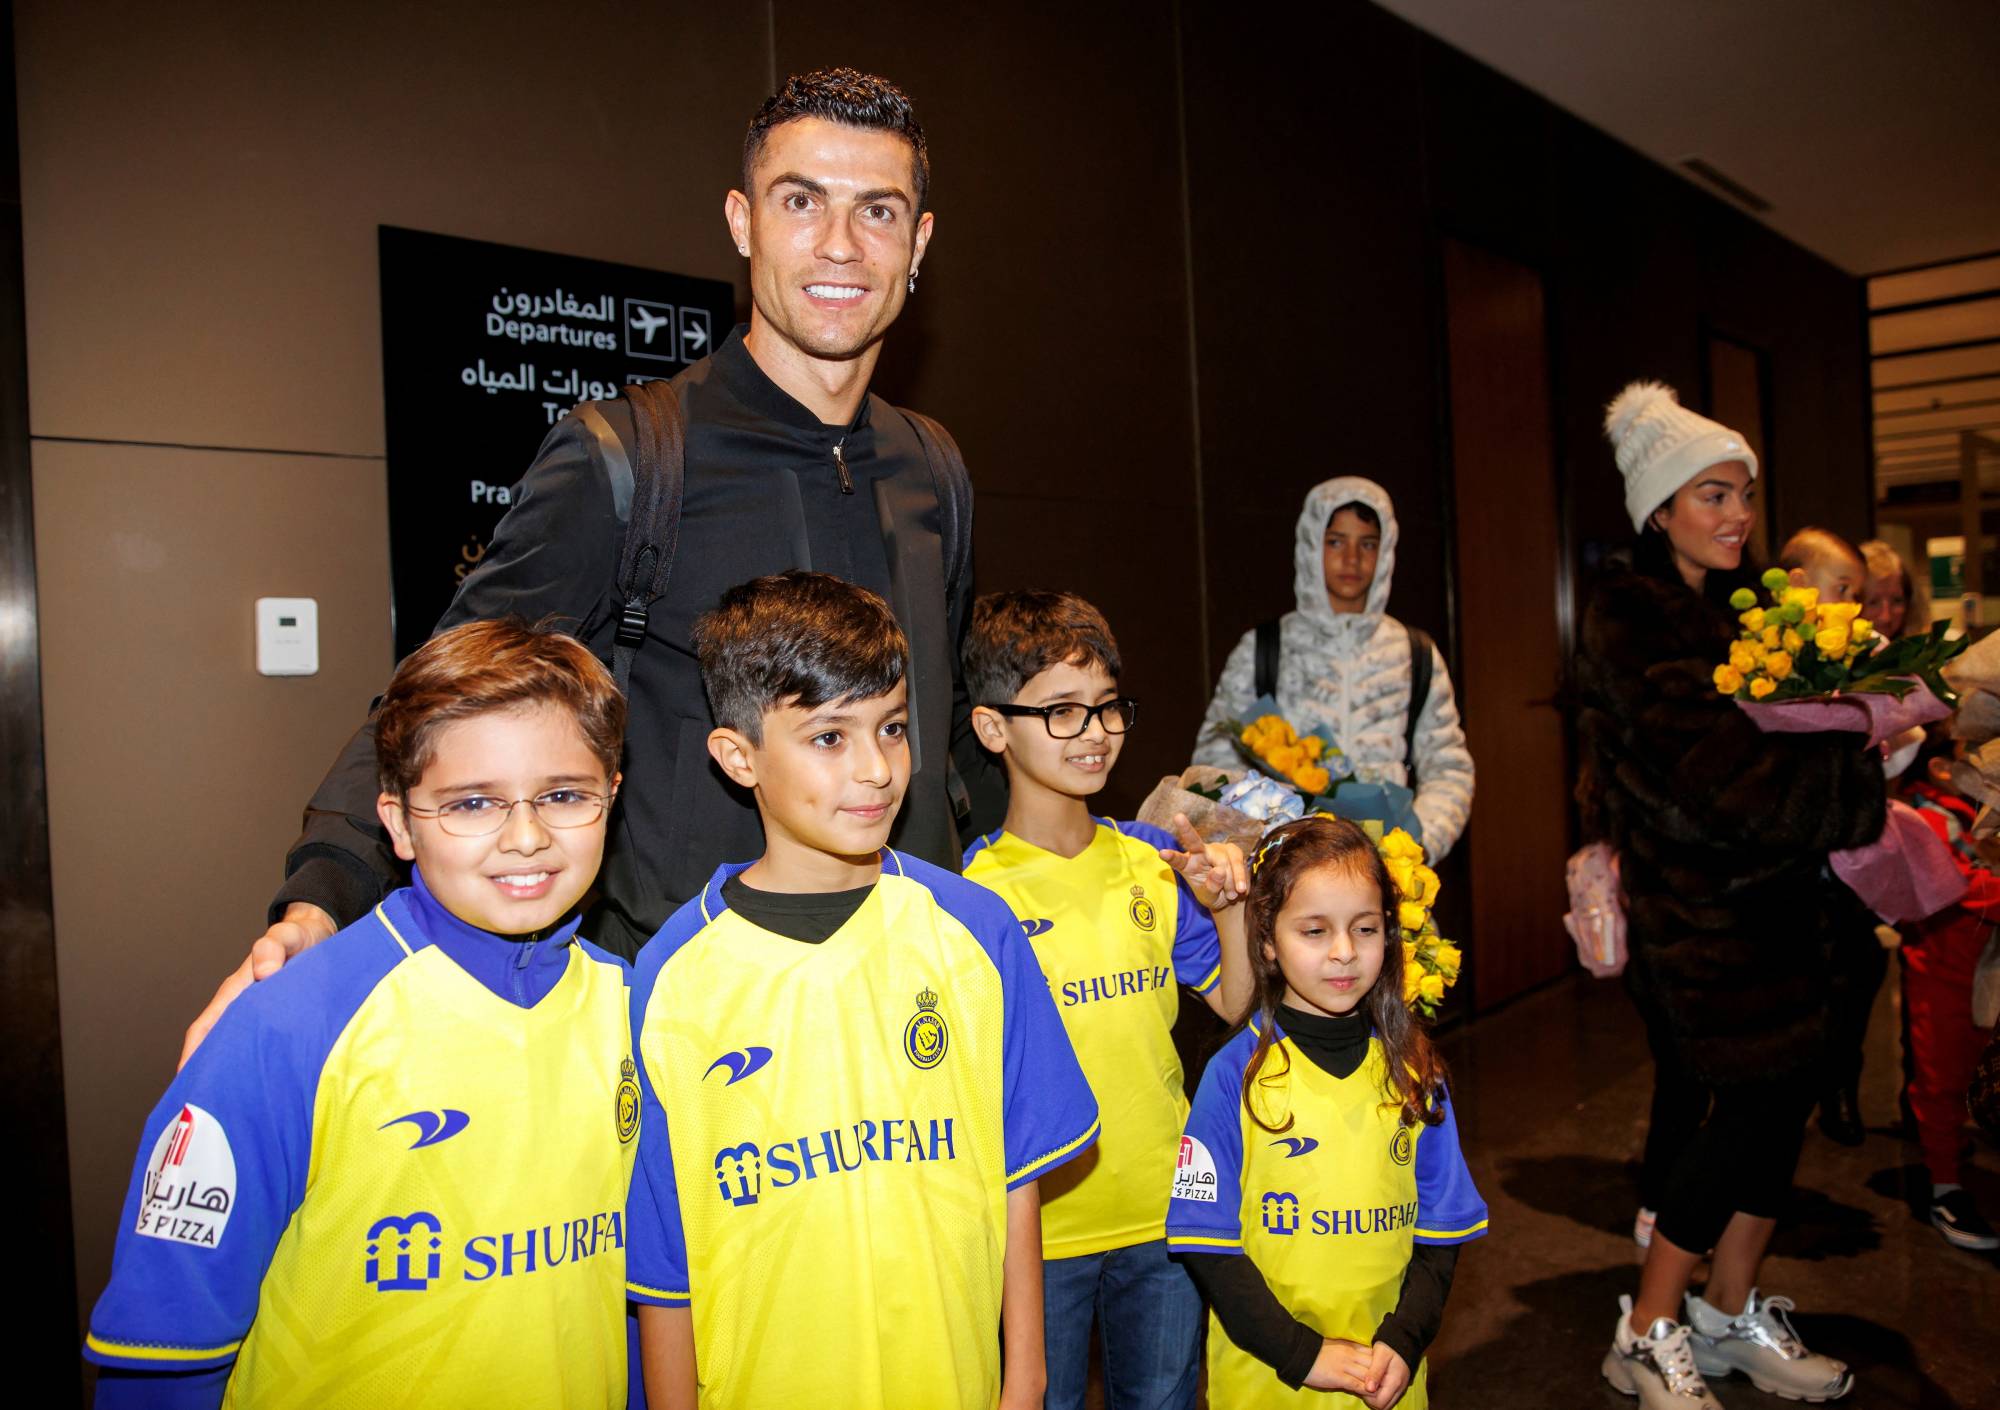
point(1906, 874)
point(1881, 717)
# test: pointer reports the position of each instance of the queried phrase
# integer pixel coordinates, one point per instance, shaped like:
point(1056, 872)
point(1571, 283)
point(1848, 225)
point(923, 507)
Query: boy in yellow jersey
point(852, 1072)
point(396, 1172)
point(1114, 929)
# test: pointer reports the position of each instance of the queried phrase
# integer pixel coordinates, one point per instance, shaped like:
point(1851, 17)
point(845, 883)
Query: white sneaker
point(1760, 1342)
point(1642, 1227)
point(1659, 1367)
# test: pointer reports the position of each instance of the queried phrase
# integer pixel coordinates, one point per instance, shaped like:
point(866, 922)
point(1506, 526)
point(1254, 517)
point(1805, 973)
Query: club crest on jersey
point(190, 1182)
point(628, 1101)
point(1142, 909)
point(926, 1037)
point(1281, 1212)
point(1297, 1145)
point(1194, 1172)
point(1402, 1146)
point(412, 1262)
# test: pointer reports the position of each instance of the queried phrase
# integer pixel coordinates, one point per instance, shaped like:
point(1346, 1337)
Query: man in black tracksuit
point(790, 463)
point(764, 493)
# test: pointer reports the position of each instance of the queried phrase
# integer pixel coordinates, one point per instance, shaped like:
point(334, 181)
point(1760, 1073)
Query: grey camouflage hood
point(1347, 632)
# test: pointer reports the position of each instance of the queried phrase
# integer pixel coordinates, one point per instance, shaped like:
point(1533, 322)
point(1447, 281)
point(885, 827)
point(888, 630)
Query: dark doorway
point(1508, 557)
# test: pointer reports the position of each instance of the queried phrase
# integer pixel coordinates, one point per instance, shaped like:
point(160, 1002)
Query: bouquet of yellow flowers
point(1797, 647)
point(1431, 963)
point(1301, 759)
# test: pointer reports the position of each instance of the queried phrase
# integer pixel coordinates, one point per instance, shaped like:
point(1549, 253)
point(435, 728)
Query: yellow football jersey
point(832, 1130)
point(1116, 933)
point(380, 1183)
point(1328, 1209)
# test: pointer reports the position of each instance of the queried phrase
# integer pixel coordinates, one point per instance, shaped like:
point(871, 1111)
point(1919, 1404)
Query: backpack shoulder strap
point(1420, 694)
point(954, 496)
point(1267, 659)
point(646, 554)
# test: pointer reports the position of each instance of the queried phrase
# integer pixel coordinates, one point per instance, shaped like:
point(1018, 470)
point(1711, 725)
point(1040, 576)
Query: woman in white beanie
point(1722, 834)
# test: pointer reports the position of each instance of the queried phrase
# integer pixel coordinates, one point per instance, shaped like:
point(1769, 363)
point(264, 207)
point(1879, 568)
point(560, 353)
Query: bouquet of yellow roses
point(1796, 647)
point(1802, 666)
point(1431, 963)
point(1306, 761)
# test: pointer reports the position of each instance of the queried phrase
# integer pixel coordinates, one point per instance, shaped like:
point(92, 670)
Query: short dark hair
point(797, 638)
point(850, 98)
point(1355, 506)
point(479, 667)
point(1015, 636)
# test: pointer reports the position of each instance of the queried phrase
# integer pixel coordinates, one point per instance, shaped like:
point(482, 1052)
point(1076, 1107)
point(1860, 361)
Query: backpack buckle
point(632, 625)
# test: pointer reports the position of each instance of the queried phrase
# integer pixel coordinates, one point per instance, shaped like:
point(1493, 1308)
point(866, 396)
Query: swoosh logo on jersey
point(739, 1064)
point(1296, 1145)
point(432, 1126)
point(1037, 927)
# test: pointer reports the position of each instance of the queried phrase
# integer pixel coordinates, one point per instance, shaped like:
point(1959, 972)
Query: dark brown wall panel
point(1049, 330)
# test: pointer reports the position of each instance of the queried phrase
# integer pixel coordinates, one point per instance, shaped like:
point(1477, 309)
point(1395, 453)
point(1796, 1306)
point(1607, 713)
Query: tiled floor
point(1552, 1096)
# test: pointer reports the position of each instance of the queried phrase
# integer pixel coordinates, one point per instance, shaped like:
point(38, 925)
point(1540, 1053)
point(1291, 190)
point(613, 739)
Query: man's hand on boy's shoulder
point(1216, 872)
point(303, 927)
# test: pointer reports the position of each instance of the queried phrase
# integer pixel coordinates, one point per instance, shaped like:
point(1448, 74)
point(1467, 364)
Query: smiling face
point(526, 876)
point(1036, 760)
point(1886, 605)
point(1709, 519)
point(828, 783)
point(833, 235)
point(1329, 939)
point(1351, 547)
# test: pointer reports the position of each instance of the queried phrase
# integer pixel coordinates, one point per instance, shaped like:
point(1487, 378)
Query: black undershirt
point(1244, 1303)
point(809, 916)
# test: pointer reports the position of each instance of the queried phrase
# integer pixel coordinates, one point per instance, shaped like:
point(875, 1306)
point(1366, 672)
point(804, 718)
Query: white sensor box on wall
point(288, 636)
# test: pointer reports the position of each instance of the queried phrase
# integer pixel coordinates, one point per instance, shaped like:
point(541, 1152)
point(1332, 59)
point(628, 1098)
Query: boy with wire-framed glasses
point(396, 1172)
point(1119, 914)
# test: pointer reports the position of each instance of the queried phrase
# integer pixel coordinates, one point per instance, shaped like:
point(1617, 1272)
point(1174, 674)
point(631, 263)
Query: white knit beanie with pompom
point(1661, 445)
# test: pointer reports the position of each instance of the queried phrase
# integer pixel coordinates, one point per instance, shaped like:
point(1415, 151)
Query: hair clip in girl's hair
point(1279, 834)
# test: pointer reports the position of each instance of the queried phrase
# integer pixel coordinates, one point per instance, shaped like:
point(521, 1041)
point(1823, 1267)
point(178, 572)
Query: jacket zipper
point(522, 958)
point(840, 464)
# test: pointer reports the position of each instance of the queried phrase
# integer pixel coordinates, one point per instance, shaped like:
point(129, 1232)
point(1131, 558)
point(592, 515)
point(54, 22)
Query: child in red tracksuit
point(1939, 956)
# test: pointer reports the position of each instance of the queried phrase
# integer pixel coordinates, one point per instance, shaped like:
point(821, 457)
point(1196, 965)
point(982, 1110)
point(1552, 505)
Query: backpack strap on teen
point(1267, 659)
point(1420, 695)
point(659, 479)
point(954, 497)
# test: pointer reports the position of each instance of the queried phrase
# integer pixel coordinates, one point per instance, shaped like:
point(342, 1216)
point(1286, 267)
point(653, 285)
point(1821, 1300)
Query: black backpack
point(659, 479)
point(1420, 682)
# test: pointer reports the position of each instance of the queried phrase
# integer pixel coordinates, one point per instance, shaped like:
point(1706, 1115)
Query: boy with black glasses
point(1117, 931)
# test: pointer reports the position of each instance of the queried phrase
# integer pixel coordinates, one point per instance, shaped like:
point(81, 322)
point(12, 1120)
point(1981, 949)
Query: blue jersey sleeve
point(1197, 947)
point(1048, 1109)
point(656, 1261)
point(1449, 1207)
point(222, 1167)
point(1205, 1212)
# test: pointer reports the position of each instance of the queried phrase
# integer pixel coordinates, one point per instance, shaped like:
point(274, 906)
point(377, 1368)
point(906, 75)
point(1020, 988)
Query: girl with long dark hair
point(1320, 1195)
point(1722, 834)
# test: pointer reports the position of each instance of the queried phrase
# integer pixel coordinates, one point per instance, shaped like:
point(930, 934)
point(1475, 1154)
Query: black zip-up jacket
point(765, 493)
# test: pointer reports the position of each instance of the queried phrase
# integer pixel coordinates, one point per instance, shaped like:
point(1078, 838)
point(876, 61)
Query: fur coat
point(1722, 832)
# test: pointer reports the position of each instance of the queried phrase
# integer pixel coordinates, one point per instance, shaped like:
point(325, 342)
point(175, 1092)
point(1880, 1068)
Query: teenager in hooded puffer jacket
point(1344, 664)
point(1722, 834)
